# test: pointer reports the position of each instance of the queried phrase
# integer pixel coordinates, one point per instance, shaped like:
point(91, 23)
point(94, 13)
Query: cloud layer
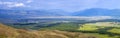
point(67, 5)
point(12, 4)
point(73, 5)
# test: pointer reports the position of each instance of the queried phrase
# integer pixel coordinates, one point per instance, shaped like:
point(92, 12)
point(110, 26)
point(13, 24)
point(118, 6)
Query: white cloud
point(16, 5)
point(6, 3)
point(12, 4)
point(29, 1)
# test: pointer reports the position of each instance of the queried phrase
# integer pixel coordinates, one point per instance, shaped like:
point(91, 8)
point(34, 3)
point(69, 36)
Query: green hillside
point(98, 29)
point(9, 32)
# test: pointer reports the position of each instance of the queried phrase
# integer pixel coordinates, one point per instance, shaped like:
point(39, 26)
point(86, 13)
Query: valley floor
point(62, 30)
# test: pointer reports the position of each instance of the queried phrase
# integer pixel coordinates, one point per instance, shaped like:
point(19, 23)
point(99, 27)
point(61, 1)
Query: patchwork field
point(102, 29)
point(66, 30)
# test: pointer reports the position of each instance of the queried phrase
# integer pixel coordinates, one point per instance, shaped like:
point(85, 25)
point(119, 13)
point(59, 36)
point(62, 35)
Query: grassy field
point(114, 30)
point(63, 26)
point(9, 32)
point(96, 30)
point(102, 30)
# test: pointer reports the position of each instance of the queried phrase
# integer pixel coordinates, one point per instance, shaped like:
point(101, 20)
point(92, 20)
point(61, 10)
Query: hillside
point(9, 32)
point(98, 12)
point(5, 13)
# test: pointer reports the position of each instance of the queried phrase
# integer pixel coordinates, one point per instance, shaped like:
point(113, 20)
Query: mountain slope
point(9, 32)
point(98, 12)
point(10, 15)
point(4, 13)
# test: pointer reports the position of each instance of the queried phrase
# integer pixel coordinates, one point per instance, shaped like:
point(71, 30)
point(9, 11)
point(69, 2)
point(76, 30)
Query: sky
point(66, 5)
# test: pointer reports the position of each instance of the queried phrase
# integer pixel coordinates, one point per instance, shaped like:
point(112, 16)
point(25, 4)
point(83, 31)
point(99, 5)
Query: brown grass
point(9, 32)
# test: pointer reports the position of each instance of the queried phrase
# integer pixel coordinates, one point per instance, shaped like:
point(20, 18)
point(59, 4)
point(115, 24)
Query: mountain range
point(28, 13)
point(4, 13)
point(98, 12)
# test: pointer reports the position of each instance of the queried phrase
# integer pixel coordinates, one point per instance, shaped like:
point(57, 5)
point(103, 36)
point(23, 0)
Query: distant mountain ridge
point(4, 13)
point(98, 12)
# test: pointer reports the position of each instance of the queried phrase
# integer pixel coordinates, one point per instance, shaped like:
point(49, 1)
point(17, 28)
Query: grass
point(69, 30)
point(9, 32)
point(115, 30)
point(88, 27)
point(97, 26)
point(103, 35)
point(101, 30)
point(63, 26)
